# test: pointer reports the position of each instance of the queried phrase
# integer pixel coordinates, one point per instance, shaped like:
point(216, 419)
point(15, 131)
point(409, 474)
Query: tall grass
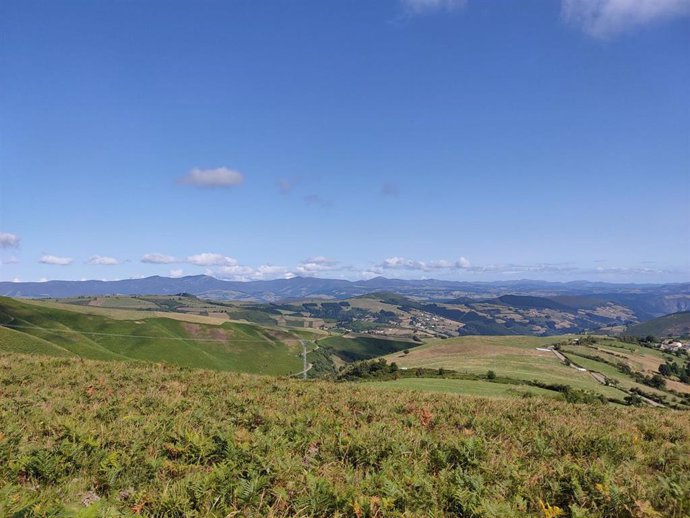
point(92, 438)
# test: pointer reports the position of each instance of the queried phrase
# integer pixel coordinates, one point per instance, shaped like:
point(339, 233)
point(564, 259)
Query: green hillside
point(228, 346)
point(93, 439)
point(675, 324)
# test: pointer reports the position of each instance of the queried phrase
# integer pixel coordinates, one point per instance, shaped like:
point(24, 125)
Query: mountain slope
point(675, 324)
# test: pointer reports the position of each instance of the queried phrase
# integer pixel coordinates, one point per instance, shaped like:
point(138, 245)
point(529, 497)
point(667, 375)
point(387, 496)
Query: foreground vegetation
point(89, 438)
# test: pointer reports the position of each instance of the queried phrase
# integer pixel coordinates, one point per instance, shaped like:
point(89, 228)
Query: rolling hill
point(109, 334)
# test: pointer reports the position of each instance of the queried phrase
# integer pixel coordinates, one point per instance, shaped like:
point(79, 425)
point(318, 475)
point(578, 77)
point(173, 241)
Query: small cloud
point(213, 178)
point(286, 185)
point(55, 260)
point(390, 189)
point(176, 273)
point(606, 18)
point(463, 262)
point(103, 260)
point(314, 200)
point(208, 259)
point(9, 240)
point(431, 6)
point(156, 258)
point(10, 260)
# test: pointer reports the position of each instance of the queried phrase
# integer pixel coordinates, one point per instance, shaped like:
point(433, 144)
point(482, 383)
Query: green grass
point(364, 347)
point(467, 387)
point(85, 438)
point(230, 346)
point(508, 356)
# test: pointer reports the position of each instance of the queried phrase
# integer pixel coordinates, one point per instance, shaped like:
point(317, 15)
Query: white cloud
point(209, 259)
point(605, 18)
point(156, 258)
point(176, 273)
point(103, 260)
point(240, 272)
point(428, 6)
point(9, 240)
point(10, 260)
point(315, 265)
point(403, 263)
point(55, 260)
point(464, 262)
point(212, 178)
point(268, 271)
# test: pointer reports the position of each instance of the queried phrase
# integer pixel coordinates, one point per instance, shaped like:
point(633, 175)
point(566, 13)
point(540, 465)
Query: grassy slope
point(364, 347)
point(161, 441)
point(230, 346)
point(513, 357)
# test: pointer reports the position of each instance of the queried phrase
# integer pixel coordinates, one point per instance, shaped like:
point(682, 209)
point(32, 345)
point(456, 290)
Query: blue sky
point(469, 140)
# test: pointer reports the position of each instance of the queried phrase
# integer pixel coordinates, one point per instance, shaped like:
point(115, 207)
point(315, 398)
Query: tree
point(664, 370)
point(657, 381)
point(633, 400)
point(490, 375)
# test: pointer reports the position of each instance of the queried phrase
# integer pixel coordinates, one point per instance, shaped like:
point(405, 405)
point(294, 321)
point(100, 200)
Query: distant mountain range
point(645, 300)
